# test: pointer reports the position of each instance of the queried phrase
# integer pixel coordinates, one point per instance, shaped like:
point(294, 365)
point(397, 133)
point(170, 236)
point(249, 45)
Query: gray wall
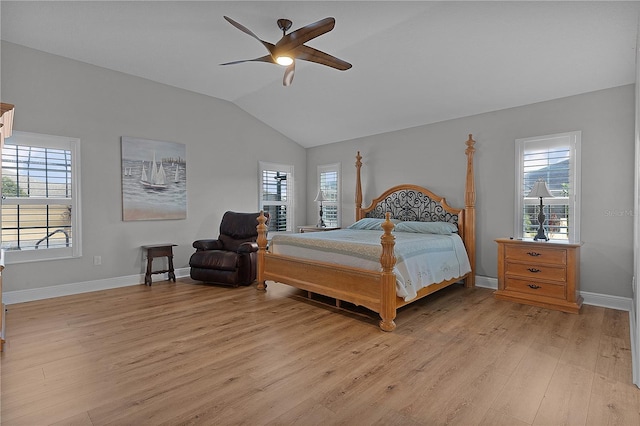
point(433, 156)
point(58, 96)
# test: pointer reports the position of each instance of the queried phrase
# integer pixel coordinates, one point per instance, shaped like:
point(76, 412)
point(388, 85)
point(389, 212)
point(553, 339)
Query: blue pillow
point(370, 223)
point(442, 228)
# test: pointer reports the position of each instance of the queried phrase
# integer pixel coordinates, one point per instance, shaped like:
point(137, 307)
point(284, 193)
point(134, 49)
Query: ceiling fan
point(291, 47)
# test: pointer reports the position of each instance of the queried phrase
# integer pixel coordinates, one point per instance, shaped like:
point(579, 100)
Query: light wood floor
point(186, 353)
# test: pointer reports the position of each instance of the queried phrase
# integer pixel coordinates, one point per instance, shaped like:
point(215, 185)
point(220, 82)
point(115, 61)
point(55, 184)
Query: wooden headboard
point(412, 202)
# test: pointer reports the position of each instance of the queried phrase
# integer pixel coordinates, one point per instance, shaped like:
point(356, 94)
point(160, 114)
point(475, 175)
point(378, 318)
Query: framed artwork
point(154, 180)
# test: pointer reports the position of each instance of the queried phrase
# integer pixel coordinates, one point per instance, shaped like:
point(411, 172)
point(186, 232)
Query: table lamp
point(320, 198)
point(540, 190)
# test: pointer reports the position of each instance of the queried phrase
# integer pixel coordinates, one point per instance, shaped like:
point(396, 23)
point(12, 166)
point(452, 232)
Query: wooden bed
point(376, 290)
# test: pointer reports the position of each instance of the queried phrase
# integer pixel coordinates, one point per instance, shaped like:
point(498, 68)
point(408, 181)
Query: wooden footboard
point(371, 289)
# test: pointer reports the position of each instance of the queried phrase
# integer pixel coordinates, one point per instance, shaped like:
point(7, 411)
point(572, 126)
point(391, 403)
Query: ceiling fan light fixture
point(285, 61)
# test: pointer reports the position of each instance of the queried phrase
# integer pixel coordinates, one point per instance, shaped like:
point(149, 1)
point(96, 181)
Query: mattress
point(421, 259)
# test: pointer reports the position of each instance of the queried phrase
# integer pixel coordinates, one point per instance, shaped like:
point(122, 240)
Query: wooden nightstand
point(545, 274)
point(313, 228)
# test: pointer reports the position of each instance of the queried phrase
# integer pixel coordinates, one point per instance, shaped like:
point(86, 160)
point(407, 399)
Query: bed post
point(358, 188)
point(262, 248)
point(470, 214)
point(388, 284)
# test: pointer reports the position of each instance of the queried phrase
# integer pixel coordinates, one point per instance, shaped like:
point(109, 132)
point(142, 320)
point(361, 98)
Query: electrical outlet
point(97, 260)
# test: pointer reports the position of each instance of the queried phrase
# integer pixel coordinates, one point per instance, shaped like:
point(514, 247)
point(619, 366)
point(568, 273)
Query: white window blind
point(40, 197)
point(329, 183)
point(556, 160)
point(276, 195)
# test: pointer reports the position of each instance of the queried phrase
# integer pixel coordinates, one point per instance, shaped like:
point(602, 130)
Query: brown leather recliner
point(232, 258)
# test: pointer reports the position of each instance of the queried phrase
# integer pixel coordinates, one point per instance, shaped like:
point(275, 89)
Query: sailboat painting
point(154, 179)
point(157, 178)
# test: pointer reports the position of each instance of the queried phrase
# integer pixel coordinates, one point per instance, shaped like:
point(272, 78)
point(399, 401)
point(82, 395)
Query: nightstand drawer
point(537, 271)
point(535, 287)
point(528, 253)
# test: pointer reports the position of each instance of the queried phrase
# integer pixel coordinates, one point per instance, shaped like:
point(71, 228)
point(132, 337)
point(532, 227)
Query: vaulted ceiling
point(414, 63)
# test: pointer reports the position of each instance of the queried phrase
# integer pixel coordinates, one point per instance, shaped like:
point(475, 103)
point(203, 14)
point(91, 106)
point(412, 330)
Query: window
point(329, 182)
point(556, 160)
point(276, 195)
point(40, 197)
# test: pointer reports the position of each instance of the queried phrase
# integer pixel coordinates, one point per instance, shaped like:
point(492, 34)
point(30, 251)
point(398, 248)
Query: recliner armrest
point(208, 245)
point(248, 247)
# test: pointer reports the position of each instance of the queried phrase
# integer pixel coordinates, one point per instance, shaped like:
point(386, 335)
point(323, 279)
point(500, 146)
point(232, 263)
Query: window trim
point(287, 168)
point(333, 167)
point(55, 142)
point(575, 138)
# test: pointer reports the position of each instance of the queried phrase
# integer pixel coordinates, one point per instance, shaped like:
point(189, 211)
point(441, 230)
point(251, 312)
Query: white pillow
point(370, 223)
point(442, 228)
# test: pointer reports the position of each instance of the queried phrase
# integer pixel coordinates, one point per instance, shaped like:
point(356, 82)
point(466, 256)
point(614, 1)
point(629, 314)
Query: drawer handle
point(534, 270)
point(533, 286)
point(533, 253)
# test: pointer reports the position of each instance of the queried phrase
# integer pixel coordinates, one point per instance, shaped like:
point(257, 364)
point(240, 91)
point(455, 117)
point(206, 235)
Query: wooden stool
point(159, 250)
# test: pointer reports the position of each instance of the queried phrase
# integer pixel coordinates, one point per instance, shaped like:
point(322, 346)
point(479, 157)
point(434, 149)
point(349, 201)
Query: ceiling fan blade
point(288, 74)
point(310, 54)
point(266, 58)
point(304, 34)
point(270, 46)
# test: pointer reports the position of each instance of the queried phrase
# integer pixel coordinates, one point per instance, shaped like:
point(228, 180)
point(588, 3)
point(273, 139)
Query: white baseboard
point(593, 299)
point(606, 301)
point(20, 296)
point(486, 282)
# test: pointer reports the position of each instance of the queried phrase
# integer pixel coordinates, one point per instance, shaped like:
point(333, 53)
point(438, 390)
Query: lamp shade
point(540, 190)
point(320, 197)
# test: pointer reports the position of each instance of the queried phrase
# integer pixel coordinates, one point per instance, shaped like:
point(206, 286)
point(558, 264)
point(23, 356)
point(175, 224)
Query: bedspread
point(422, 259)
